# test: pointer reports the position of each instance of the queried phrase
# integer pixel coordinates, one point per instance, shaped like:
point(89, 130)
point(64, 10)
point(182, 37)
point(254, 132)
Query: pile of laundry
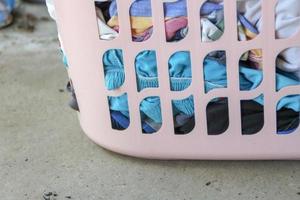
point(250, 24)
point(180, 79)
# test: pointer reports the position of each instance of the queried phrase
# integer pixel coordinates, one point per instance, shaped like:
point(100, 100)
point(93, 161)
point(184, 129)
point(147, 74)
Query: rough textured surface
point(43, 151)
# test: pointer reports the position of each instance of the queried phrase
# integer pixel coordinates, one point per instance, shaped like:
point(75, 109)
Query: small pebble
point(68, 197)
point(208, 183)
point(48, 194)
point(61, 90)
point(26, 159)
point(298, 193)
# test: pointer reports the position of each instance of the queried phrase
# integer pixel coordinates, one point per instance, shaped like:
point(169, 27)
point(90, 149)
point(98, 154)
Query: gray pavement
point(42, 147)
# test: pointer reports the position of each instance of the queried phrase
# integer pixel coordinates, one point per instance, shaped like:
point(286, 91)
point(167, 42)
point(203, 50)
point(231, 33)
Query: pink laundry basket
point(80, 36)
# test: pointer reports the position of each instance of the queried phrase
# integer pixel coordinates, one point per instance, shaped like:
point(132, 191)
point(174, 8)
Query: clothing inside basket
point(250, 24)
point(180, 78)
point(249, 20)
point(217, 113)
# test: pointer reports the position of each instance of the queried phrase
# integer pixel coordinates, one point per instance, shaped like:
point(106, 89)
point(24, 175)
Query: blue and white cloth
point(6, 8)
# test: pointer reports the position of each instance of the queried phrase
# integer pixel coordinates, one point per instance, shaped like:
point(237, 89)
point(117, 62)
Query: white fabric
point(208, 30)
point(251, 9)
point(287, 23)
point(106, 32)
point(51, 8)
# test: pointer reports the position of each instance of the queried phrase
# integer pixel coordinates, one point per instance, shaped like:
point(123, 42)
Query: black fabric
point(186, 128)
point(252, 118)
point(217, 117)
point(73, 101)
point(104, 6)
point(287, 120)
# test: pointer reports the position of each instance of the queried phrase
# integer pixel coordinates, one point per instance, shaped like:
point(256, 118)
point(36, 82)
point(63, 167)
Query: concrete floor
point(42, 148)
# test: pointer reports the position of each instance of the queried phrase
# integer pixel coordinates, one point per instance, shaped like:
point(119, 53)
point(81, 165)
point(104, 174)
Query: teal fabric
point(146, 70)
point(151, 108)
point(64, 59)
point(214, 75)
point(180, 71)
point(113, 68)
point(183, 106)
point(181, 77)
point(119, 104)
